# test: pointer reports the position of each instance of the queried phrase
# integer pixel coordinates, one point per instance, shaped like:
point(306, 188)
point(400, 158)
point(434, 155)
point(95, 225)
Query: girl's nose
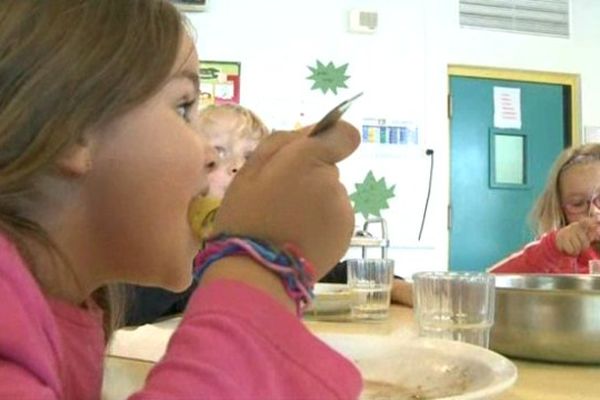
point(211, 159)
point(235, 167)
point(594, 208)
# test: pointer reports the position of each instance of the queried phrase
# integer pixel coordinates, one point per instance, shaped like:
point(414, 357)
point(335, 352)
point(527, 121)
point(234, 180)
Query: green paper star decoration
point(328, 77)
point(371, 196)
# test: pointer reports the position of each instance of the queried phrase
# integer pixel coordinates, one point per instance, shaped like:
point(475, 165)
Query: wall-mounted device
point(361, 21)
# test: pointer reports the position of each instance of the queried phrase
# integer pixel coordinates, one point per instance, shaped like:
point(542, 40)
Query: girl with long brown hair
point(99, 167)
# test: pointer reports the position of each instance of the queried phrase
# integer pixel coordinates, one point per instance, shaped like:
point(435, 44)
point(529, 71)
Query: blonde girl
point(566, 216)
point(234, 132)
point(99, 164)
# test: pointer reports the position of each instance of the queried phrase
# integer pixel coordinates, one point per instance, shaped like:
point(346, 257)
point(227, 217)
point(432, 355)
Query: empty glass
point(455, 305)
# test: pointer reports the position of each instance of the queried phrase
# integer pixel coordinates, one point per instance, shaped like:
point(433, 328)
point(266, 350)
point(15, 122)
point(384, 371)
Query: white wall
point(402, 69)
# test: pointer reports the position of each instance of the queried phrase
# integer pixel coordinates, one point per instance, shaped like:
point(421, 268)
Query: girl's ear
point(76, 160)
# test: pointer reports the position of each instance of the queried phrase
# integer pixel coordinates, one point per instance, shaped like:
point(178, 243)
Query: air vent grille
point(540, 17)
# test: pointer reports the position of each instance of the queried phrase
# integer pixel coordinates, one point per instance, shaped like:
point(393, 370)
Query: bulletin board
point(219, 82)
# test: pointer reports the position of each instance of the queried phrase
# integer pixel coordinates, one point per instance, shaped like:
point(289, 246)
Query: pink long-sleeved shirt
point(543, 256)
point(234, 342)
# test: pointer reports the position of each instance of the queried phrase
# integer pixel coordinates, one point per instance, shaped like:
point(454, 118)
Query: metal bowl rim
point(588, 284)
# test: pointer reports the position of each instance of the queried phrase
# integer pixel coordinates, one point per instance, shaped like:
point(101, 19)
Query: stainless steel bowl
point(548, 317)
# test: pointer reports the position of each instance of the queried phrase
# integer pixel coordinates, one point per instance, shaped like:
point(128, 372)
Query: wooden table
point(537, 381)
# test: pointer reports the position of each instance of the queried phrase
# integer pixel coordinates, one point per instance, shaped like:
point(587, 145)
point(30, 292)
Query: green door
point(496, 174)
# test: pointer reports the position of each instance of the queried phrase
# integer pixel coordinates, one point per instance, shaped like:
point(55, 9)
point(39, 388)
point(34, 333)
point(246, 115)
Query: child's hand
point(578, 236)
point(289, 191)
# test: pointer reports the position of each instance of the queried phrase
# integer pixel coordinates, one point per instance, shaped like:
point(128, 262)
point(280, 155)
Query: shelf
point(363, 241)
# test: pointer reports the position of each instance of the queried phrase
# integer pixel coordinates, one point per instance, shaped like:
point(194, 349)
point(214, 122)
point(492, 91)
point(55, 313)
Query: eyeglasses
point(581, 206)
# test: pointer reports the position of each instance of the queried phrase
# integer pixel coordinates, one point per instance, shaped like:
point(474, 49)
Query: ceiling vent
point(538, 17)
point(190, 5)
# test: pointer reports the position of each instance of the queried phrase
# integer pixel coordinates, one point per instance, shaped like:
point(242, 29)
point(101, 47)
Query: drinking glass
point(370, 285)
point(455, 305)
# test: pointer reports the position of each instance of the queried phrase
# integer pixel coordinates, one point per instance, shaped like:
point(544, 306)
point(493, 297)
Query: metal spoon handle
point(333, 116)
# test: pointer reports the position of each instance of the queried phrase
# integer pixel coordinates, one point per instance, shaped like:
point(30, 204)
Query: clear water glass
point(370, 286)
point(455, 305)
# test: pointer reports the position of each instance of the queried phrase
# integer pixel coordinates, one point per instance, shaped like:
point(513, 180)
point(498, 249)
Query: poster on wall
point(389, 132)
point(371, 196)
point(219, 82)
point(328, 77)
point(507, 107)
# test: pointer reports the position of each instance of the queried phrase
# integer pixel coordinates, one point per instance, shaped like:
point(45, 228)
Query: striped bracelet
point(296, 272)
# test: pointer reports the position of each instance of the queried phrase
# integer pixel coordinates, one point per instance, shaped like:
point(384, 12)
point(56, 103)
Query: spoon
point(333, 116)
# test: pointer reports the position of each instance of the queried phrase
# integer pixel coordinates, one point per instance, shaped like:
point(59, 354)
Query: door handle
point(449, 220)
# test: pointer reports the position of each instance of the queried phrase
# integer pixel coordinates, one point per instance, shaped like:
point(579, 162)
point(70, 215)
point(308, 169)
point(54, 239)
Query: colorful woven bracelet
point(296, 272)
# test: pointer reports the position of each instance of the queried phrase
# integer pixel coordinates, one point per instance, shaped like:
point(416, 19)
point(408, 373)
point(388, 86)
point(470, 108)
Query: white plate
point(419, 369)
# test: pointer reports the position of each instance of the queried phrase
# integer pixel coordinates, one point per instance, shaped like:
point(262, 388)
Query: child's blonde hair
point(547, 214)
point(67, 66)
point(245, 123)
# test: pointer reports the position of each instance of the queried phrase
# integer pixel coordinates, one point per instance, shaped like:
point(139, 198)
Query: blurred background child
point(234, 132)
point(566, 217)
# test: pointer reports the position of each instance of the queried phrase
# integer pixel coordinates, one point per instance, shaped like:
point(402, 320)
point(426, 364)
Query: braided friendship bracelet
point(296, 272)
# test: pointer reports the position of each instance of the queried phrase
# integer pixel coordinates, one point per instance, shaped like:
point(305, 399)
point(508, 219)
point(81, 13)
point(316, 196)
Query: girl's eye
point(576, 206)
point(221, 152)
point(247, 155)
point(185, 109)
point(578, 202)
